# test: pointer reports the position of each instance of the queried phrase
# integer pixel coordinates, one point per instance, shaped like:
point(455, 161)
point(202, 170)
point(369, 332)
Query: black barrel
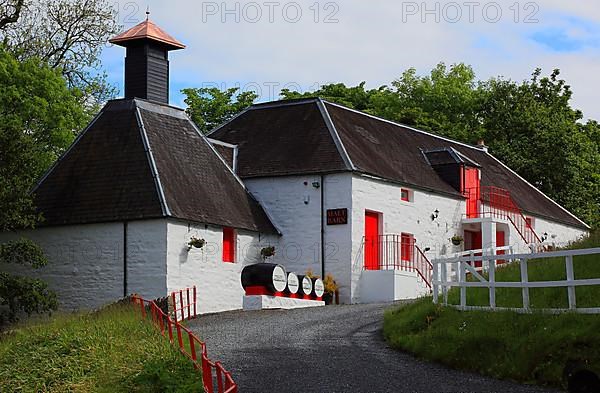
point(318, 288)
point(305, 285)
point(267, 275)
point(293, 284)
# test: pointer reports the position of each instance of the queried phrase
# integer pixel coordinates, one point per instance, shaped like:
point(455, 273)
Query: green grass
point(109, 351)
point(531, 348)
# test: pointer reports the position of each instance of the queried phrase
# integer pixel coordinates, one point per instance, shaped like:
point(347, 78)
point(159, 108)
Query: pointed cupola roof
point(147, 30)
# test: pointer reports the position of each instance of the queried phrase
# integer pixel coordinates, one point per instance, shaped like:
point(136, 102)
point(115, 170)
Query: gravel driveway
point(328, 349)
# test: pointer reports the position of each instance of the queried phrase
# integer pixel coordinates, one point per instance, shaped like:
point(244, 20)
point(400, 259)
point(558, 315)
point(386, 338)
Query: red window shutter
point(228, 245)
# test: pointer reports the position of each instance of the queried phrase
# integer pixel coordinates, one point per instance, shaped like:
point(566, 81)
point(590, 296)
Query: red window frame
point(407, 242)
point(228, 245)
point(405, 195)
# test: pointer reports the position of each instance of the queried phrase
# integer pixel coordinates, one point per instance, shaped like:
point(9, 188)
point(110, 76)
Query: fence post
point(444, 282)
point(492, 283)
point(462, 278)
point(435, 286)
point(195, 300)
point(193, 349)
point(179, 338)
point(181, 304)
point(174, 305)
point(525, 280)
point(570, 279)
point(189, 306)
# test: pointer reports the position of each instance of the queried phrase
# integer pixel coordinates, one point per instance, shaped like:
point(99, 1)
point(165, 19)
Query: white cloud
point(372, 43)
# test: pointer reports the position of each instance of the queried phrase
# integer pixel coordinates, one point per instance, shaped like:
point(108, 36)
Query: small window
point(229, 245)
point(406, 195)
point(529, 221)
point(407, 247)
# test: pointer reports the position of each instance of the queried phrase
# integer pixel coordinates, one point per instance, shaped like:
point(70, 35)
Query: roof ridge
point(280, 103)
point(335, 135)
point(402, 125)
point(152, 163)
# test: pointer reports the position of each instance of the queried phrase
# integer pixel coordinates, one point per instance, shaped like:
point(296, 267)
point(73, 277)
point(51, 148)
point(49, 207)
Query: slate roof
point(142, 160)
point(311, 136)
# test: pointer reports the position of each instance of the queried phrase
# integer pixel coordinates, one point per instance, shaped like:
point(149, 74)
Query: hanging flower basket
point(267, 252)
point(457, 240)
point(196, 243)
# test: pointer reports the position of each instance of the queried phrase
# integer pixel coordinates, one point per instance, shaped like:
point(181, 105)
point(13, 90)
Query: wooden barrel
point(270, 276)
point(318, 288)
point(293, 284)
point(305, 285)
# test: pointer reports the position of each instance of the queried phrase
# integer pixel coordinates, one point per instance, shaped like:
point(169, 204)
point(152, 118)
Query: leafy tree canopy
point(208, 106)
point(68, 35)
point(39, 117)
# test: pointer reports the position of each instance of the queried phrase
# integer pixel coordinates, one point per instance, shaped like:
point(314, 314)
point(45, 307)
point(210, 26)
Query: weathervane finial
point(147, 12)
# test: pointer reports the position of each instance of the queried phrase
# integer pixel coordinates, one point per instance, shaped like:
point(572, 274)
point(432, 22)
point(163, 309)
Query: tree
point(39, 117)
point(68, 35)
point(10, 10)
point(208, 106)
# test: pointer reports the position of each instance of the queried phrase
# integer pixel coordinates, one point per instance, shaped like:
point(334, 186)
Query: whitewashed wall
point(559, 235)
point(218, 283)
point(294, 205)
point(86, 261)
point(147, 258)
point(400, 216)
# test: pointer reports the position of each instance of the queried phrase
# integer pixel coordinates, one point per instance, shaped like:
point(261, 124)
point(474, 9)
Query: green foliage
point(109, 351)
point(209, 107)
point(524, 347)
point(39, 118)
point(69, 36)
point(530, 126)
point(19, 293)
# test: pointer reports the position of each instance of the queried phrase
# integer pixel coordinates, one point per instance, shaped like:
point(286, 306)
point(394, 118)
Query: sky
point(269, 45)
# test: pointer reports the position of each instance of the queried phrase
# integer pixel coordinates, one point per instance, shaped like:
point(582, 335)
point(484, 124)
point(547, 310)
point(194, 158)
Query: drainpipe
point(125, 259)
point(322, 229)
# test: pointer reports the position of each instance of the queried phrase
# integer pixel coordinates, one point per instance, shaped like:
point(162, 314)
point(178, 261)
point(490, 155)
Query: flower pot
point(328, 298)
point(456, 242)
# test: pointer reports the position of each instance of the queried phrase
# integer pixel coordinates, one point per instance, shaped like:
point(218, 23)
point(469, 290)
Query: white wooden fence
point(452, 272)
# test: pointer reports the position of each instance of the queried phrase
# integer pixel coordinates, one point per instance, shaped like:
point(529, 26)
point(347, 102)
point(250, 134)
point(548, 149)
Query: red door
point(371, 241)
point(500, 242)
point(472, 191)
point(473, 241)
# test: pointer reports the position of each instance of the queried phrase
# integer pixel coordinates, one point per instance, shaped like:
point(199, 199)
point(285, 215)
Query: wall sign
point(337, 216)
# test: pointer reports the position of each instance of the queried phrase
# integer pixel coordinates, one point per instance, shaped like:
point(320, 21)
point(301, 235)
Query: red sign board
point(337, 216)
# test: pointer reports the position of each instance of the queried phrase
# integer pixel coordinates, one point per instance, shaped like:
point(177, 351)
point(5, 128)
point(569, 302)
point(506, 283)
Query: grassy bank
point(109, 351)
point(532, 348)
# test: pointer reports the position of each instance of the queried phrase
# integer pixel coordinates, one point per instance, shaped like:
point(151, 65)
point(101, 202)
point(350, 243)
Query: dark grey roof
point(141, 160)
point(315, 136)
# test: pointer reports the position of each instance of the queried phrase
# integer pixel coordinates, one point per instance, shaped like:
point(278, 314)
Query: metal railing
point(181, 304)
point(395, 252)
point(452, 272)
point(498, 203)
point(220, 381)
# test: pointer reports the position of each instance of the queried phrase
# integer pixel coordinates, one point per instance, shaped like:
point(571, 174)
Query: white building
point(334, 190)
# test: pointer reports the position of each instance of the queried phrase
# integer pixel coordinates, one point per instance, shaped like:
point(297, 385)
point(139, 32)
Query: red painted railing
point(395, 252)
point(498, 203)
point(186, 303)
point(220, 381)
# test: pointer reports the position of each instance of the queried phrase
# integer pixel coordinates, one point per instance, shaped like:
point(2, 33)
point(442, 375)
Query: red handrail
point(165, 323)
point(498, 202)
point(397, 253)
